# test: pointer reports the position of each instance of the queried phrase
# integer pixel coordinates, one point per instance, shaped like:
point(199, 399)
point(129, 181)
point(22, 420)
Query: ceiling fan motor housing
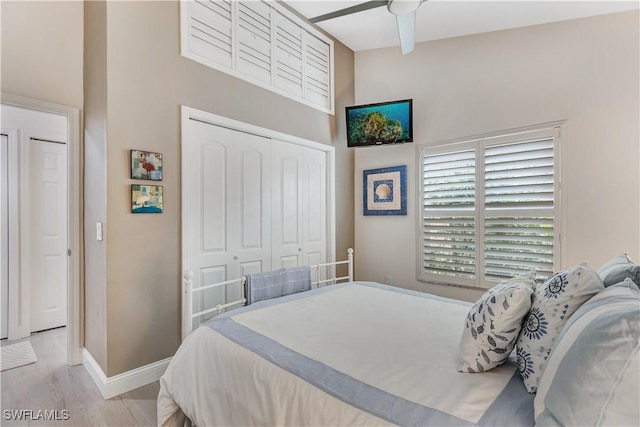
point(403, 7)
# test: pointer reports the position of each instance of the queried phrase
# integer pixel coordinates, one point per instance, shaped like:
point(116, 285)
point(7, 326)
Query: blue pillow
point(618, 269)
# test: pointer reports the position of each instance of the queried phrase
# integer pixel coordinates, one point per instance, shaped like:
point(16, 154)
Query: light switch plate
point(98, 231)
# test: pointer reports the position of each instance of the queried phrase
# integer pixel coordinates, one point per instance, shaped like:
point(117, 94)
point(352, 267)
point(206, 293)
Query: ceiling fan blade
point(349, 10)
point(406, 31)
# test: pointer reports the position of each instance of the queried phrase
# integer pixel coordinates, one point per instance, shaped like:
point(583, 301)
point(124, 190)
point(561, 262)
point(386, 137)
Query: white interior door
point(45, 171)
point(228, 215)
point(4, 232)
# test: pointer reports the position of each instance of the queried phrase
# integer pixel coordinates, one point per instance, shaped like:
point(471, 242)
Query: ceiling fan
point(404, 10)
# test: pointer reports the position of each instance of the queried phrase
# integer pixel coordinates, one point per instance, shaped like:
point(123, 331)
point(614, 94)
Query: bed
point(362, 353)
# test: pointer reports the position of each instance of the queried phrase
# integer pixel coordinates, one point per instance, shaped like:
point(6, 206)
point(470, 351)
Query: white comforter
point(353, 354)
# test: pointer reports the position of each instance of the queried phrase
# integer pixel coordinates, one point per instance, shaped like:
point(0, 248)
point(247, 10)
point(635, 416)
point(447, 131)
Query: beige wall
point(95, 180)
point(583, 71)
point(134, 84)
point(42, 50)
point(147, 81)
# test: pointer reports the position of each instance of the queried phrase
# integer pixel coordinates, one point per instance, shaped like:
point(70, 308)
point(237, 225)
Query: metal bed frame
point(188, 291)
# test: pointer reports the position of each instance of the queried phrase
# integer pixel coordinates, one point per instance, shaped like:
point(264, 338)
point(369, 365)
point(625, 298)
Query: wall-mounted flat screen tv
point(382, 123)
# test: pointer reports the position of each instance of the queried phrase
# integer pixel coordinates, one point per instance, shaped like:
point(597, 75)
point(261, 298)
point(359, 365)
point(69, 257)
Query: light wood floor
point(50, 384)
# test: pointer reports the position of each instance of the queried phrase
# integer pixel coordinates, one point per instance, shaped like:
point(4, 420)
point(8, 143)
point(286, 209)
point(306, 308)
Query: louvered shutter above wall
point(317, 60)
point(254, 40)
point(288, 47)
point(261, 42)
point(209, 26)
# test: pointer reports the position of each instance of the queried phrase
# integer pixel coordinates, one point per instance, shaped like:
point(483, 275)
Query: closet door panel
point(213, 166)
point(286, 205)
point(314, 211)
point(227, 196)
point(253, 210)
point(206, 201)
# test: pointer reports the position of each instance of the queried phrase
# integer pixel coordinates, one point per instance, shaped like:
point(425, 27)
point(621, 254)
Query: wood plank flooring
point(50, 384)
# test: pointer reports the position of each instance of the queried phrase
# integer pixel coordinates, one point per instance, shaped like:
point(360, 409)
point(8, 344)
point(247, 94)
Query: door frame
point(74, 219)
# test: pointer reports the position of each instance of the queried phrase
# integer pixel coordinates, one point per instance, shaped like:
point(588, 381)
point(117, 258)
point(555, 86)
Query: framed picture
point(146, 165)
point(384, 191)
point(146, 198)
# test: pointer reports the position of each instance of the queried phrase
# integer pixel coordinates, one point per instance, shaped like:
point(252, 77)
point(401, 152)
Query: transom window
point(490, 208)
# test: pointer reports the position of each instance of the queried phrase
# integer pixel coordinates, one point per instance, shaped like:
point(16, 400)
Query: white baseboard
point(127, 381)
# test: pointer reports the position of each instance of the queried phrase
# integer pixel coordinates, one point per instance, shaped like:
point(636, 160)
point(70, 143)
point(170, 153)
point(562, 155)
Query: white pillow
point(553, 303)
point(594, 365)
point(493, 324)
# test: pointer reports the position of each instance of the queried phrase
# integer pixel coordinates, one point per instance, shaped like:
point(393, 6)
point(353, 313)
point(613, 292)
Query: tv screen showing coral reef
point(381, 123)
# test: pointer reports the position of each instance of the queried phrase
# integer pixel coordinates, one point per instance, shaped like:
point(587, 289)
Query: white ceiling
point(439, 19)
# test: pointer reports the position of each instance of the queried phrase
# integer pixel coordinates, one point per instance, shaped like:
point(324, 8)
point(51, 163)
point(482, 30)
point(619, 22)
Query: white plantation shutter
point(254, 40)
point(288, 53)
point(263, 43)
point(209, 33)
point(318, 75)
point(519, 208)
point(490, 208)
point(449, 215)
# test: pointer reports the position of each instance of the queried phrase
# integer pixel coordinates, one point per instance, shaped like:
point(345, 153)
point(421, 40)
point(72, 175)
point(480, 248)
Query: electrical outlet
point(387, 280)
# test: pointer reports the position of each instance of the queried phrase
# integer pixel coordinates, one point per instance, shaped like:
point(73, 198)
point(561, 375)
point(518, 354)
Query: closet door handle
point(235, 257)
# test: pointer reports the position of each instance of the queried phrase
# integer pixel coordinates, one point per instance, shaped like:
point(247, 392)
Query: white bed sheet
point(367, 343)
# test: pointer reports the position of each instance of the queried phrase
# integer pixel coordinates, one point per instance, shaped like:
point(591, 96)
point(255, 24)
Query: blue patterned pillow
point(493, 324)
point(553, 303)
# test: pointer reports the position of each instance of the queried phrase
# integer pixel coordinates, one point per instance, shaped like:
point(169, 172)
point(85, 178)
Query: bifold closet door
point(299, 205)
point(228, 204)
point(252, 204)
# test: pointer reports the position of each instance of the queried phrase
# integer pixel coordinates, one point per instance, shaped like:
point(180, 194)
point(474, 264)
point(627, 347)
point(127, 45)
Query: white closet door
point(299, 205)
point(286, 205)
point(314, 207)
point(228, 207)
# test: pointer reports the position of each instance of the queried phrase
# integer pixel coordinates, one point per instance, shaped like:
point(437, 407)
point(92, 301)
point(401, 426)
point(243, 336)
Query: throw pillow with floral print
point(553, 303)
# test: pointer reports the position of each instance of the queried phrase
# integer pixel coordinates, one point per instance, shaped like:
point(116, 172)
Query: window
point(490, 208)
point(262, 43)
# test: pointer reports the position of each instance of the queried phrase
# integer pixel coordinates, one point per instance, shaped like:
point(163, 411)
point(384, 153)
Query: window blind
point(489, 209)
point(449, 214)
point(519, 201)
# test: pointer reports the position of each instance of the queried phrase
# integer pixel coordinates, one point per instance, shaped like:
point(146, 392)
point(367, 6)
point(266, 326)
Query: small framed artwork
point(146, 198)
point(384, 191)
point(146, 165)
